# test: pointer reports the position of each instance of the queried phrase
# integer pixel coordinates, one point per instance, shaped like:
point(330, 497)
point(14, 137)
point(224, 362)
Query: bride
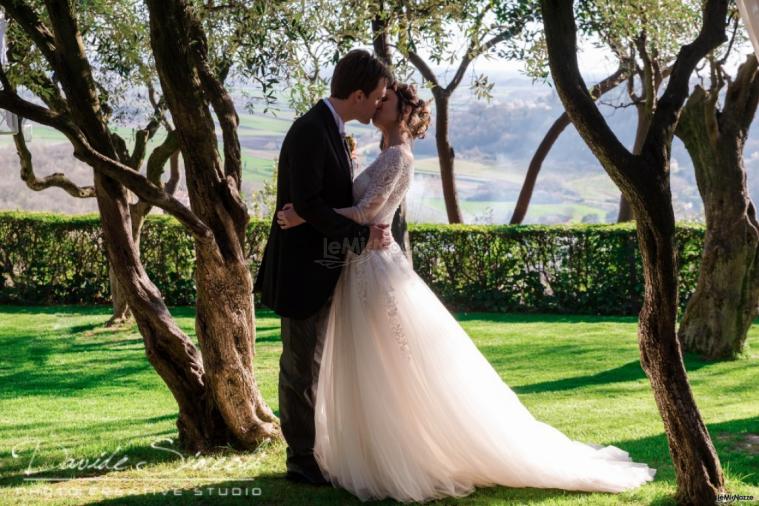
point(406, 406)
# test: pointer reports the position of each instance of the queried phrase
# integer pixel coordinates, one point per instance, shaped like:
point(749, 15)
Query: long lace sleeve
point(385, 183)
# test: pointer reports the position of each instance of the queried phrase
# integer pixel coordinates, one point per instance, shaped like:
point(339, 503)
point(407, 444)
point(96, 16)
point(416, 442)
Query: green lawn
point(74, 394)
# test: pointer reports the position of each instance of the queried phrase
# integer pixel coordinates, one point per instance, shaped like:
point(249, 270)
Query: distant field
point(265, 124)
point(470, 169)
point(257, 169)
point(564, 198)
point(597, 187)
point(38, 133)
point(502, 211)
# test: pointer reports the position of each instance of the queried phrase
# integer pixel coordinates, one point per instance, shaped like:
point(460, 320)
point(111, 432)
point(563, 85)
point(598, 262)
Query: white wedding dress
point(407, 407)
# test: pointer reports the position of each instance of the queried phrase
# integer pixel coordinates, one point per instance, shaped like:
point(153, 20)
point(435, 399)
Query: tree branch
point(712, 34)
point(648, 78)
point(730, 45)
point(160, 155)
point(561, 40)
point(75, 74)
point(221, 101)
point(423, 69)
point(558, 126)
point(25, 16)
point(171, 185)
point(742, 96)
point(125, 175)
point(225, 111)
point(471, 54)
point(158, 104)
point(120, 147)
point(156, 163)
point(379, 35)
point(57, 179)
point(141, 139)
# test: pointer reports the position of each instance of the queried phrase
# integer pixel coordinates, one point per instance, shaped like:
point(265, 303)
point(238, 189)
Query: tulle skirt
point(408, 408)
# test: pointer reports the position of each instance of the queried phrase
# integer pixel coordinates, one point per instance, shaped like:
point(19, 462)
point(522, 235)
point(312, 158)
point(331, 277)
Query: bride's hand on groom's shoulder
point(288, 218)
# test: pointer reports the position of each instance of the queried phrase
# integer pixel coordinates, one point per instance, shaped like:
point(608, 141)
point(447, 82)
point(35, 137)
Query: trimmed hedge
point(581, 269)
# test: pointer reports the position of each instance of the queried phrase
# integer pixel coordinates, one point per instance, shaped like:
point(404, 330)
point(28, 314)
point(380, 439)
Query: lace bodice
point(379, 189)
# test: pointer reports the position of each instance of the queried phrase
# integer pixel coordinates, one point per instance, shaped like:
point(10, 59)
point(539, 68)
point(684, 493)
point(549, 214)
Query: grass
point(73, 392)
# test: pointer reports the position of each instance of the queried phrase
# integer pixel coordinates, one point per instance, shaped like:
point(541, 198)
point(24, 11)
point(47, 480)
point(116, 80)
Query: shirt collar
point(338, 119)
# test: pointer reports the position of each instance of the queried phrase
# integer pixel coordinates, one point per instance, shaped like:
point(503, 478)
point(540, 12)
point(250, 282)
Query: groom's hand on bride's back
point(380, 237)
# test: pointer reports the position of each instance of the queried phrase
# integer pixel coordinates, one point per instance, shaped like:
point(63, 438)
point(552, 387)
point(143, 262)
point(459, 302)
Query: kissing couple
point(381, 391)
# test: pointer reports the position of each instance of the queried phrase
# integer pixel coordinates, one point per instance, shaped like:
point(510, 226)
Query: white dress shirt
point(338, 119)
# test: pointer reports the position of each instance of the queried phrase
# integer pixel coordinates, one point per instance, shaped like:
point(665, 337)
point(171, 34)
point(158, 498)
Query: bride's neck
point(392, 137)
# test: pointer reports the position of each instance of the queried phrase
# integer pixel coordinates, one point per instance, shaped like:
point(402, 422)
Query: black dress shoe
point(310, 479)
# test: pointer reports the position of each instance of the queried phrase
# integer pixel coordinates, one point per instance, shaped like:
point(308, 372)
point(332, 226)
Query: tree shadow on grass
point(728, 438)
point(631, 371)
point(109, 343)
point(541, 318)
point(627, 372)
point(31, 382)
point(67, 309)
point(261, 328)
point(27, 370)
point(89, 327)
point(274, 338)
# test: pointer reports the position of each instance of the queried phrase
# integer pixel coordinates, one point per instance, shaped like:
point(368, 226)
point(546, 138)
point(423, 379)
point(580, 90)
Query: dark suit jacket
point(301, 265)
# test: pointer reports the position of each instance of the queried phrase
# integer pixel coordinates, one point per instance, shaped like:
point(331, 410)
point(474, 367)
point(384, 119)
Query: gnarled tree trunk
point(201, 424)
point(644, 180)
point(121, 311)
point(721, 310)
point(697, 466)
point(224, 320)
point(625, 211)
point(168, 349)
point(139, 211)
point(170, 352)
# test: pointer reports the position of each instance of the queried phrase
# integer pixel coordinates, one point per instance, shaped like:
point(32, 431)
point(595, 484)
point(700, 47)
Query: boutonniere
point(351, 141)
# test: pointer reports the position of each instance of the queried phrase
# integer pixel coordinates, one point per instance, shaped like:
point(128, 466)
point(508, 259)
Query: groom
point(298, 272)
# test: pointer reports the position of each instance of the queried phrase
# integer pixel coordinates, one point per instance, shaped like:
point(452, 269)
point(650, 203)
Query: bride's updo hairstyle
point(418, 118)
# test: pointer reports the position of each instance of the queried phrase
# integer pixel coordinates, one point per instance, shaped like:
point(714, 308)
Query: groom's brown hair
point(357, 70)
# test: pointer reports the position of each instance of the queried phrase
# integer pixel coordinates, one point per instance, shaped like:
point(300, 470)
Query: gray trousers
point(302, 344)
